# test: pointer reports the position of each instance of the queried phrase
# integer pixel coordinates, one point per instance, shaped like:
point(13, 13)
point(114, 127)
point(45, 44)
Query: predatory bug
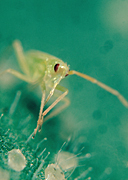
point(47, 71)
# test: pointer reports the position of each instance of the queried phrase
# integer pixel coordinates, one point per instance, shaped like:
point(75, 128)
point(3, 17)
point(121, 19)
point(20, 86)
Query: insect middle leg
point(21, 57)
point(16, 74)
point(22, 62)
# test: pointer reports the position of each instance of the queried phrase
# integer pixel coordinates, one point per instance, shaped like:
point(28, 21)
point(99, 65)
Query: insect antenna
point(103, 86)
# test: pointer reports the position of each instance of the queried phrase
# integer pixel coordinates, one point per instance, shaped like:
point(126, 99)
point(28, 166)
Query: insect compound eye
point(56, 67)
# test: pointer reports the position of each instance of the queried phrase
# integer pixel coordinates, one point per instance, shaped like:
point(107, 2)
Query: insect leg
point(59, 109)
point(40, 119)
point(104, 86)
point(53, 89)
point(16, 74)
point(20, 56)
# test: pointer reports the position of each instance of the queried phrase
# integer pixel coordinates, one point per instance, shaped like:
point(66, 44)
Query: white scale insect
point(47, 71)
point(64, 162)
point(64, 166)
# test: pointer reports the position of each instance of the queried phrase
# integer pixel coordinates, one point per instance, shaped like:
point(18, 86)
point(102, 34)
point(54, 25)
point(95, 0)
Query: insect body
point(47, 71)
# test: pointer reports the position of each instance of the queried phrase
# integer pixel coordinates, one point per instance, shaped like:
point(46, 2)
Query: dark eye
point(56, 67)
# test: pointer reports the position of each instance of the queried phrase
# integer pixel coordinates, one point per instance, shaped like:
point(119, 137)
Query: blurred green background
point(92, 37)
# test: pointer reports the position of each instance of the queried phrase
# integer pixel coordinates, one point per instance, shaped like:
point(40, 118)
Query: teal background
point(92, 37)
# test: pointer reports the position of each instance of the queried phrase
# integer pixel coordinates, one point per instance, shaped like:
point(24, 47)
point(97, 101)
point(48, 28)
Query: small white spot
point(16, 160)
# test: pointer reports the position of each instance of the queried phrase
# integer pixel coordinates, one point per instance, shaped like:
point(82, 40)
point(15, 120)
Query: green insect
point(47, 71)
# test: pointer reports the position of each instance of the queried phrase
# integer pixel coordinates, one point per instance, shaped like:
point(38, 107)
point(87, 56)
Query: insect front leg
point(42, 114)
point(58, 110)
point(40, 119)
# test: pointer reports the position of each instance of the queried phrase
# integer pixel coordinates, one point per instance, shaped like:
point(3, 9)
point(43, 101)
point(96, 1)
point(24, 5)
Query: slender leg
point(61, 97)
point(53, 89)
point(50, 95)
point(21, 57)
point(58, 110)
point(40, 119)
point(22, 62)
point(16, 74)
point(104, 86)
point(42, 114)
